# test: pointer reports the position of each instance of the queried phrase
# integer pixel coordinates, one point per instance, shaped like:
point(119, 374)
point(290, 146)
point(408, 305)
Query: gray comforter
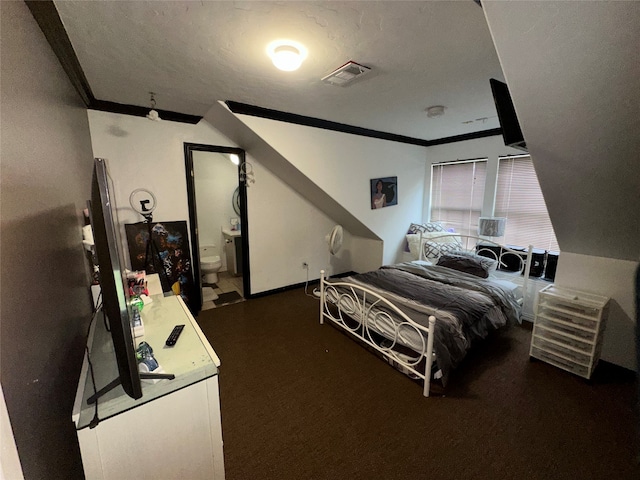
point(466, 307)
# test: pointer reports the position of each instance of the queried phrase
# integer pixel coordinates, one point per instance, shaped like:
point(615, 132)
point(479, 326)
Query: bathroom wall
point(215, 179)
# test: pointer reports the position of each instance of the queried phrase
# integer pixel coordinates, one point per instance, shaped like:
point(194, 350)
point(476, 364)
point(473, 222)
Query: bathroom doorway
point(218, 224)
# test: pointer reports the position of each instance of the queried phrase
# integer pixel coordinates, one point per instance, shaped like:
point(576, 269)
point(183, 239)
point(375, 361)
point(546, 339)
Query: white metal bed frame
point(363, 305)
point(480, 247)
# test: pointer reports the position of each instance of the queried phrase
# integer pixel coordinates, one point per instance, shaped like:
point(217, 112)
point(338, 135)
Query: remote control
point(173, 337)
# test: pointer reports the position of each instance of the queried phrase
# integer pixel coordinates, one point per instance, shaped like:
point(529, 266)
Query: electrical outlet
point(305, 265)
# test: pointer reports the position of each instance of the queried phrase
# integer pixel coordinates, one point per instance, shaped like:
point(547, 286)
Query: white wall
point(284, 229)
point(215, 179)
point(343, 165)
point(614, 279)
point(145, 154)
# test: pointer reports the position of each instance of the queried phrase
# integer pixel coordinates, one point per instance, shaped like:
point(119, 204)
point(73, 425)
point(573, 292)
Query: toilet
point(210, 263)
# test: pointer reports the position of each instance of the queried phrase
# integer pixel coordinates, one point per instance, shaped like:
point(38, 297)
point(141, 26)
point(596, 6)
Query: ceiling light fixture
point(435, 111)
point(153, 114)
point(287, 55)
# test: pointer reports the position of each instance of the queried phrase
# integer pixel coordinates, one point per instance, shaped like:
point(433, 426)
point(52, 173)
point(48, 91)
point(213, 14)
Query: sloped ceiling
point(574, 74)
point(234, 129)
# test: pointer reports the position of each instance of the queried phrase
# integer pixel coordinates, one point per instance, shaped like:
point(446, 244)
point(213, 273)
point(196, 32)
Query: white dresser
point(569, 328)
point(174, 430)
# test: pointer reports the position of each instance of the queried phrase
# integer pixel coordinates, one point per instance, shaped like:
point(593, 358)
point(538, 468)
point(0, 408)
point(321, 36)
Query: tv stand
point(114, 383)
point(174, 429)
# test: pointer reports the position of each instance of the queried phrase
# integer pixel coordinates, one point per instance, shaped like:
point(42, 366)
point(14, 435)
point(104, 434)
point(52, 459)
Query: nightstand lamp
point(492, 226)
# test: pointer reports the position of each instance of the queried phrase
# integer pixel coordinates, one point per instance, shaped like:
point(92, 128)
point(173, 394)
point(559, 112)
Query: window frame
point(491, 196)
point(467, 223)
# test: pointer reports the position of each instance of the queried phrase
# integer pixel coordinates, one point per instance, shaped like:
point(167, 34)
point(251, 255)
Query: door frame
point(196, 303)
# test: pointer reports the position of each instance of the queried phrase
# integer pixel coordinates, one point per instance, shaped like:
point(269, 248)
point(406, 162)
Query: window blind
point(519, 199)
point(457, 191)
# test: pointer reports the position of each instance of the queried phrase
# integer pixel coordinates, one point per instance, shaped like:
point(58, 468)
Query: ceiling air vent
point(346, 74)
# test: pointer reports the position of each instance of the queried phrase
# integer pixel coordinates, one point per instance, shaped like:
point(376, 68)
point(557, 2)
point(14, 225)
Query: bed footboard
point(367, 316)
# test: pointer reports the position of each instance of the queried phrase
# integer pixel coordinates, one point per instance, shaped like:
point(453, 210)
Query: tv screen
point(115, 295)
point(511, 132)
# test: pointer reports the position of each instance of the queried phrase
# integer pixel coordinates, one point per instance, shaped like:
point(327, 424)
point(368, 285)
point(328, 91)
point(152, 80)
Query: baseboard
point(309, 284)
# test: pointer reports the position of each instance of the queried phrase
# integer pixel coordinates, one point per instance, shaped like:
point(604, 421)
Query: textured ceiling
point(193, 54)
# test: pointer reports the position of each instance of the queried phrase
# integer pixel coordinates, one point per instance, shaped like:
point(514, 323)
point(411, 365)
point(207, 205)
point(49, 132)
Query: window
point(457, 191)
point(518, 197)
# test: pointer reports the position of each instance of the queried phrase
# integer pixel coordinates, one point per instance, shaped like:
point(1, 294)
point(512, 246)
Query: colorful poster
point(163, 248)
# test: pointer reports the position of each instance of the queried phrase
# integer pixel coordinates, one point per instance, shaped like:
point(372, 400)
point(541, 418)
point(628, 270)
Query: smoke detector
point(435, 111)
point(346, 74)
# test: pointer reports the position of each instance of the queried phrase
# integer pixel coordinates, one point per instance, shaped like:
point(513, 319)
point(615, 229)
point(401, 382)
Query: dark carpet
point(302, 400)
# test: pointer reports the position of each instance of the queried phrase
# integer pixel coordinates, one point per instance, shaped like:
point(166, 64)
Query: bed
point(423, 315)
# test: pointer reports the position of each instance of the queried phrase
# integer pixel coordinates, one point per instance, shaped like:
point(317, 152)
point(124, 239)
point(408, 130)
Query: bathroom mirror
point(235, 201)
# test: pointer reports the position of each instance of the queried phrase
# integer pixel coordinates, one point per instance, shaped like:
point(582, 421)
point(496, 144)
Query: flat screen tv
point(511, 132)
point(115, 296)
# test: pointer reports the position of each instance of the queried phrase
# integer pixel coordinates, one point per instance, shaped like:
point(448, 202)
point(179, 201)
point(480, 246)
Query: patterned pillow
point(433, 227)
point(433, 250)
point(416, 228)
point(413, 229)
point(425, 227)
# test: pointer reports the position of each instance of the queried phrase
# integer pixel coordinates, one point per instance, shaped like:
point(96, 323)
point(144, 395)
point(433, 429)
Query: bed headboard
point(432, 246)
point(429, 246)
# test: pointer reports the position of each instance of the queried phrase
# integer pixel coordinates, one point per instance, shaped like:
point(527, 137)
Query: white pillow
point(413, 239)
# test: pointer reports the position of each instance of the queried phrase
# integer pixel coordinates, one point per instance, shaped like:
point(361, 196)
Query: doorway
point(218, 224)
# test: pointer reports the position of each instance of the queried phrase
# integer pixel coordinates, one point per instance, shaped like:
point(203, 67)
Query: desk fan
point(334, 243)
point(334, 240)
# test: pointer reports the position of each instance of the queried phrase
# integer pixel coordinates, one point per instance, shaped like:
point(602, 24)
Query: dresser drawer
point(548, 331)
point(553, 311)
point(567, 328)
point(560, 362)
point(562, 351)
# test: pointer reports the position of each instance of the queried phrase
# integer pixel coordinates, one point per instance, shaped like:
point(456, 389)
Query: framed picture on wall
point(384, 192)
